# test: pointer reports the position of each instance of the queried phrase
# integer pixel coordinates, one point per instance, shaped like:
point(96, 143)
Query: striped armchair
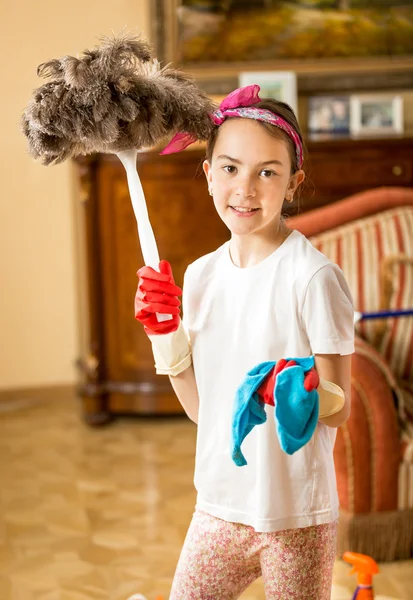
point(370, 235)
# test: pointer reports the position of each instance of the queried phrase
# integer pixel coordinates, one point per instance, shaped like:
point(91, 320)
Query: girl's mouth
point(241, 211)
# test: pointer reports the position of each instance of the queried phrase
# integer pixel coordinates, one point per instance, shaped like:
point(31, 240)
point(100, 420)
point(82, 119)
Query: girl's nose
point(246, 189)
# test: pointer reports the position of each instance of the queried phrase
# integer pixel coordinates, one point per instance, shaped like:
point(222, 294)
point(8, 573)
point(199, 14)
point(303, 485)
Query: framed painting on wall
point(332, 45)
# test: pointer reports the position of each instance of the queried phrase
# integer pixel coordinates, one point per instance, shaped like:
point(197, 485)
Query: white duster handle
point(145, 231)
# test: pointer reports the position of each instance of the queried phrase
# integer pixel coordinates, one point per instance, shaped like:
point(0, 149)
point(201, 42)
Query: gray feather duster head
point(116, 97)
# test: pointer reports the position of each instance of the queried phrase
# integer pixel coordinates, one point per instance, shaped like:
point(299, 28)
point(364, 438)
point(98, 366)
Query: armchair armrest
point(367, 450)
point(356, 206)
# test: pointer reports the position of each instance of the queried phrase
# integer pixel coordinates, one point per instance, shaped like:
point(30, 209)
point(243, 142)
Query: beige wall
point(38, 305)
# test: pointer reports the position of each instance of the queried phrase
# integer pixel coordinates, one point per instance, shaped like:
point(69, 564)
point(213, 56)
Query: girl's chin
point(246, 227)
point(243, 227)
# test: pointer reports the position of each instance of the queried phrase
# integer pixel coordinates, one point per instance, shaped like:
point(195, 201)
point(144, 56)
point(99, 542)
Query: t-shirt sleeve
point(328, 312)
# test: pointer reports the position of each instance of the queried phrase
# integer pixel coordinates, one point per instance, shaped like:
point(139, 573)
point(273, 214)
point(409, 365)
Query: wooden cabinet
point(337, 168)
point(116, 365)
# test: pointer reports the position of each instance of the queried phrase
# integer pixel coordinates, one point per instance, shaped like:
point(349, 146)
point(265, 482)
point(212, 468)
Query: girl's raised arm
point(158, 294)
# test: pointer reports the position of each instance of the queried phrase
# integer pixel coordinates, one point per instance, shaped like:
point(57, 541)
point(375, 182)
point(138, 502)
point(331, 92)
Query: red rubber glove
point(266, 389)
point(157, 293)
point(311, 380)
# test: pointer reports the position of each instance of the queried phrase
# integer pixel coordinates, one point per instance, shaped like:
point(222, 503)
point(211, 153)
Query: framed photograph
point(333, 46)
point(373, 114)
point(280, 85)
point(329, 114)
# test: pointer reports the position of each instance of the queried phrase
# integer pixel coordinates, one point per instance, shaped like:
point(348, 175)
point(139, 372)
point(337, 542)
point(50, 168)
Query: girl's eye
point(230, 168)
point(267, 173)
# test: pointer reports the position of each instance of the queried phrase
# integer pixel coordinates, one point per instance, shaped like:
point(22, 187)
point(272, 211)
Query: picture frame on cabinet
point(376, 114)
point(329, 114)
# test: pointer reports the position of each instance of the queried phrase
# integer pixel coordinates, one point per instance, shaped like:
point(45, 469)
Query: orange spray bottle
point(365, 567)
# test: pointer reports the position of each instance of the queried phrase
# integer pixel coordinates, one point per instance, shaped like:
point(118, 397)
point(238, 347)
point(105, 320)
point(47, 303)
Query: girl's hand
point(157, 293)
point(266, 390)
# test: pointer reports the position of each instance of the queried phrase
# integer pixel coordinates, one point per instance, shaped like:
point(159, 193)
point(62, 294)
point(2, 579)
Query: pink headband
point(240, 103)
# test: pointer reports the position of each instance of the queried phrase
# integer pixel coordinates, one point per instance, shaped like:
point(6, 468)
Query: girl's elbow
point(344, 417)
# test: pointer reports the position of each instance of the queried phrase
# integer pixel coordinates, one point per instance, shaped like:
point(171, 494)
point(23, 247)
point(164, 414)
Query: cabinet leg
point(95, 412)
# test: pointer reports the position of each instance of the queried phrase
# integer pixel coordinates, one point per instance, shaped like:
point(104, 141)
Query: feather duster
point(115, 98)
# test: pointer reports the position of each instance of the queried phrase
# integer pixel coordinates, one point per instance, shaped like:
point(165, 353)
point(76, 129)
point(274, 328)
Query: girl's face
point(250, 176)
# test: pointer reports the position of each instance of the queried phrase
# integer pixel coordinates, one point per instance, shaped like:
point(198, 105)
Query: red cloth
point(157, 293)
point(266, 389)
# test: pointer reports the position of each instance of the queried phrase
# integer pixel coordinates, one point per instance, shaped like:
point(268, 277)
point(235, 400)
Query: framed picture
point(329, 114)
point(280, 85)
point(373, 114)
point(333, 46)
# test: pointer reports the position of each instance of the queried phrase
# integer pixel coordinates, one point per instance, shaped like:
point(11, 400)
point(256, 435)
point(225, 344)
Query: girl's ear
point(296, 180)
point(208, 171)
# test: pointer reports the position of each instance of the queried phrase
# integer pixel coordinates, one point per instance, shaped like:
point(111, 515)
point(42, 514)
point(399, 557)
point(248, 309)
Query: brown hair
point(279, 108)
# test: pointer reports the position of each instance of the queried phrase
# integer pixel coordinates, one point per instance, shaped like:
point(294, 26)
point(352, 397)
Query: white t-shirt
point(292, 304)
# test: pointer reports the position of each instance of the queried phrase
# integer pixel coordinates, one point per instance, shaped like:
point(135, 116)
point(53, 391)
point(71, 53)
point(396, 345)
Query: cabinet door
point(338, 169)
point(186, 226)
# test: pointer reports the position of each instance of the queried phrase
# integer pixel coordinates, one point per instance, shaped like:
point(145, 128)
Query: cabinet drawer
point(349, 172)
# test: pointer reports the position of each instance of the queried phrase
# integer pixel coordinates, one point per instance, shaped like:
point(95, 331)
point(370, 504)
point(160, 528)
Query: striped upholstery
point(405, 484)
point(405, 396)
point(405, 479)
point(376, 255)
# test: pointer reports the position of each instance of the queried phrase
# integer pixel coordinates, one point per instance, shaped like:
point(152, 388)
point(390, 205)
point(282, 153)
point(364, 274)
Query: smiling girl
point(264, 295)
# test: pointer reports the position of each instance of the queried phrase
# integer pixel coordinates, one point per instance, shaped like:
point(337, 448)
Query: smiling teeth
point(239, 209)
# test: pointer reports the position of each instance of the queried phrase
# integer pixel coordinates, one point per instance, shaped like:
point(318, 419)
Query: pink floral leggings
point(219, 560)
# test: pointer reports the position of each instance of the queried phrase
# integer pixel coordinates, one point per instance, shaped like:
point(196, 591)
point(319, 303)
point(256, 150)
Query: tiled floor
point(100, 514)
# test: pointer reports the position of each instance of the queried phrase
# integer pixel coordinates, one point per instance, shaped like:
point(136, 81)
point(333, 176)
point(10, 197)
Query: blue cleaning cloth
point(296, 410)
